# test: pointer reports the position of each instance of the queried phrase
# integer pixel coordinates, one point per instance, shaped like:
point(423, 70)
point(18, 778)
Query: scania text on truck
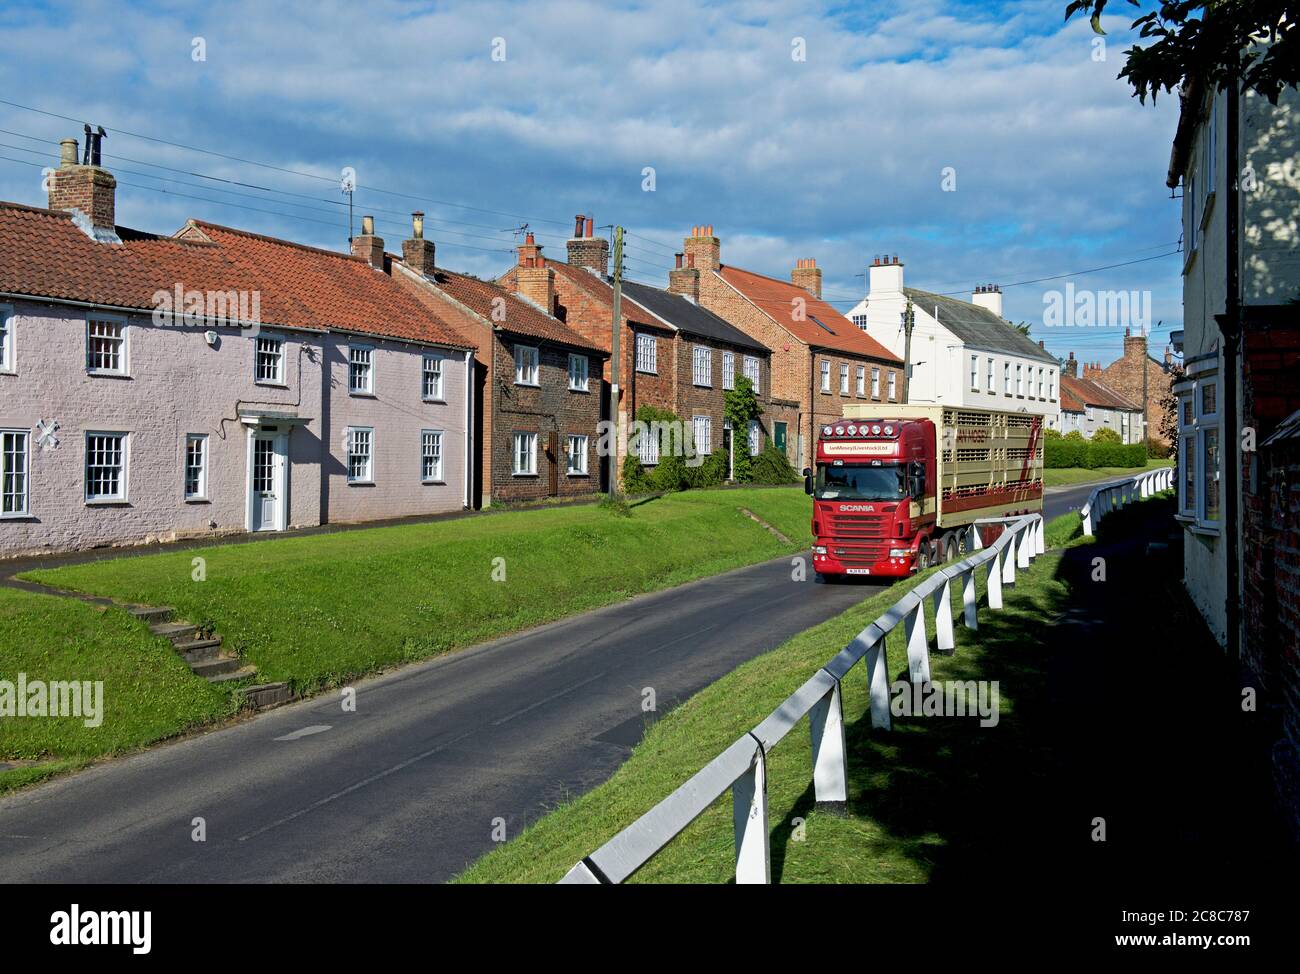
point(895, 486)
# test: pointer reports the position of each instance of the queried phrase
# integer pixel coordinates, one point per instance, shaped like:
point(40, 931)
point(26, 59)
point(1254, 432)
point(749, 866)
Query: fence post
point(995, 582)
point(878, 684)
point(749, 817)
point(918, 647)
point(1087, 522)
point(1009, 563)
point(969, 604)
point(830, 763)
point(1040, 535)
point(976, 542)
point(943, 638)
point(1021, 543)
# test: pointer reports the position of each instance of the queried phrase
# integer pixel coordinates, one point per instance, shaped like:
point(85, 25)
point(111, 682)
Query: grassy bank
point(903, 823)
point(1064, 476)
point(321, 610)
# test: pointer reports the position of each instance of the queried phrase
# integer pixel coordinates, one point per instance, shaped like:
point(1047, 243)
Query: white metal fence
point(1111, 497)
point(742, 767)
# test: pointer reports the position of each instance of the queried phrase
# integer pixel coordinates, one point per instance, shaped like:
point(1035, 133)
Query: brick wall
point(690, 400)
point(1125, 376)
point(550, 408)
point(86, 188)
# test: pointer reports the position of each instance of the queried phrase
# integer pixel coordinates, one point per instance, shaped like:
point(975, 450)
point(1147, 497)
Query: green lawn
point(322, 610)
point(934, 795)
point(1063, 476)
point(149, 693)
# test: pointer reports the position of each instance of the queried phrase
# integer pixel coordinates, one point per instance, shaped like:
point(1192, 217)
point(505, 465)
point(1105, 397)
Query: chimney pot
point(417, 225)
point(367, 226)
point(577, 225)
point(369, 246)
point(88, 189)
point(679, 260)
point(590, 226)
point(67, 153)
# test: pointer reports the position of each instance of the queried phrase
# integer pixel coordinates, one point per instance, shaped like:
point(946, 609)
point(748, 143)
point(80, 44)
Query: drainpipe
point(1230, 327)
point(469, 428)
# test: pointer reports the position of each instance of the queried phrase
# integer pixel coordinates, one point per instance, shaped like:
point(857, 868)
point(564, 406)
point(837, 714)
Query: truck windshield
point(884, 483)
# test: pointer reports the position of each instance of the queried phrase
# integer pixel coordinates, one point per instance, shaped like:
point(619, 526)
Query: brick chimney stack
point(885, 275)
point(368, 245)
point(89, 189)
point(1135, 346)
point(989, 297)
point(586, 249)
point(807, 275)
point(535, 281)
point(418, 252)
point(703, 250)
point(1071, 367)
point(684, 279)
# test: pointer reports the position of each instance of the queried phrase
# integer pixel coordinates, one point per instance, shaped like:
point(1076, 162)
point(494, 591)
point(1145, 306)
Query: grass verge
point(1065, 476)
point(319, 611)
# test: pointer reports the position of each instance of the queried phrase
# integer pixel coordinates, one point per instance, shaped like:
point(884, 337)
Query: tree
point(1169, 406)
point(1211, 40)
point(741, 408)
point(1023, 328)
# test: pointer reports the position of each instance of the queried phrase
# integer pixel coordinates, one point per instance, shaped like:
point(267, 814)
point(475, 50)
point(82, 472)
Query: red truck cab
point(873, 492)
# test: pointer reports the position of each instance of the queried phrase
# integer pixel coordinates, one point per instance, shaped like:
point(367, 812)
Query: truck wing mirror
point(807, 483)
point(807, 471)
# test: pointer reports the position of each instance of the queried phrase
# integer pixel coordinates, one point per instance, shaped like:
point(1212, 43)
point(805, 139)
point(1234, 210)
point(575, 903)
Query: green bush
point(711, 473)
point(1158, 449)
point(772, 467)
point(1051, 434)
point(1106, 435)
point(1070, 451)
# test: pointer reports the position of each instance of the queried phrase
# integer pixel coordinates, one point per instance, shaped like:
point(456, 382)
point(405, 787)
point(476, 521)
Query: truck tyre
point(923, 556)
point(950, 548)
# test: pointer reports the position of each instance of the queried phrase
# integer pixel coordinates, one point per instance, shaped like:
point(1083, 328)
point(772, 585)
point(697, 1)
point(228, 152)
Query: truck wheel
point(950, 548)
point(923, 557)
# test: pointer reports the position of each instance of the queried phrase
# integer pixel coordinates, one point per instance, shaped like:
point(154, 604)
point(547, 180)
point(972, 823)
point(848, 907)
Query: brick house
point(210, 382)
point(820, 359)
point(675, 354)
point(1088, 406)
point(1238, 399)
point(1136, 375)
point(537, 383)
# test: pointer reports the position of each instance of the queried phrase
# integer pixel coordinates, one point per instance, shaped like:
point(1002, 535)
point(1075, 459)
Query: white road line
point(546, 700)
point(306, 732)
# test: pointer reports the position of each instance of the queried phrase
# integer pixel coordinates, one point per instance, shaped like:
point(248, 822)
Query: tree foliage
point(1211, 40)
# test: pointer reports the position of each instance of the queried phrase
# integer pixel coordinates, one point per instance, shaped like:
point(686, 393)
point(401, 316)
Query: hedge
point(1089, 454)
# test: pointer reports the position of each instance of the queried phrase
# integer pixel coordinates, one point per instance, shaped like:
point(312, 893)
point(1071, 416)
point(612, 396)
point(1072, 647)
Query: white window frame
point(123, 486)
point(844, 379)
point(1051, 385)
point(1040, 382)
point(753, 370)
point(974, 373)
point(1207, 422)
point(1006, 378)
point(1187, 451)
point(431, 438)
point(26, 473)
point(1020, 380)
point(8, 342)
point(431, 369)
point(755, 438)
point(647, 354)
point(527, 365)
point(579, 373)
point(875, 382)
point(518, 440)
point(702, 432)
point(826, 375)
point(647, 448)
point(861, 377)
point(577, 448)
point(367, 476)
point(702, 366)
point(1088, 410)
point(200, 492)
point(124, 354)
point(369, 365)
point(278, 378)
point(728, 370)
point(990, 377)
point(893, 386)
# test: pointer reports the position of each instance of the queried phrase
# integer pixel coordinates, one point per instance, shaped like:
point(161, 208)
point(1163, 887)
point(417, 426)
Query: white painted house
point(963, 352)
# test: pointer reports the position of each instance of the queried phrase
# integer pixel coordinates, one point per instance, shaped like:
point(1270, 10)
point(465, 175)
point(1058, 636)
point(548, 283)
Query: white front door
point(266, 486)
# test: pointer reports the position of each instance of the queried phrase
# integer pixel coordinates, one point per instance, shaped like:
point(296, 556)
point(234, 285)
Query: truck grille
point(860, 539)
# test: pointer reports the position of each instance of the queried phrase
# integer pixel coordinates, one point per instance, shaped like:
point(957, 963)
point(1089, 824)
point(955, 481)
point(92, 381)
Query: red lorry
point(895, 486)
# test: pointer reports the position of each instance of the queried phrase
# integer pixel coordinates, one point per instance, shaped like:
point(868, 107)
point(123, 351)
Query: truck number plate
point(858, 571)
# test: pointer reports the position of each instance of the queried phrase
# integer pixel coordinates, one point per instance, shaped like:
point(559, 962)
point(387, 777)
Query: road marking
point(546, 700)
point(351, 788)
point(306, 732)
point(674, 642)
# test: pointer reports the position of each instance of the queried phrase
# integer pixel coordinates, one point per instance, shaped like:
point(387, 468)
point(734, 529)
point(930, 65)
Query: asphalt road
point(411, 786)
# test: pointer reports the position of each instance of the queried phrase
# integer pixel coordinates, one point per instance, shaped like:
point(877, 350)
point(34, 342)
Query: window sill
point(96, 374)
point(361, 483)
point(18, 516)
point(268, 384)
point(362, 395)
point(529, 385)
point(524, 475)
point(109, 502)
point(8, 371)
point(433, 402)
point(1204, 530)
point(573, 474)
point(585, 392)
point(434, 483)
point(647, 371)
point(702, 385)
point(198, 500)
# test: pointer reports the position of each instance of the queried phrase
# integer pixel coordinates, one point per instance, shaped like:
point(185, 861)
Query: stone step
point(151, 613)
point(173, 630)
point(265, 695)
point(236, 675)
point(216, 666)
point(197, 650)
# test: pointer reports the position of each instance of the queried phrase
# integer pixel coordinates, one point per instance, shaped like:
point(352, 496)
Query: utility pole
point(616, 361)
point(909, 322)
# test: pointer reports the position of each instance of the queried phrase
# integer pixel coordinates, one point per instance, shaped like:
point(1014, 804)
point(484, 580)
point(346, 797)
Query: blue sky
point(839, 156)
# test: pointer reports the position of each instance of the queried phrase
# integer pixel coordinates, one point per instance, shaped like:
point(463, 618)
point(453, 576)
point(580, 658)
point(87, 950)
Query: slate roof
point(689, 317)
point(44, 254)
point(824, 327)
point(1092, 393)
point(977, 326)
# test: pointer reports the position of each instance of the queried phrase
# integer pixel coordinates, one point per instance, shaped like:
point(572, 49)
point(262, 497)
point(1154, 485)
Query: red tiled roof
point(45, 255)
point(521, 317)
point(603, 291)
point(1068, 403)
point(1094, 394)
point(774, 298)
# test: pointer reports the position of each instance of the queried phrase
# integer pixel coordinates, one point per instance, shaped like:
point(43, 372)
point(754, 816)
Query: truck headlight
point(819, 549)
point(900, 552)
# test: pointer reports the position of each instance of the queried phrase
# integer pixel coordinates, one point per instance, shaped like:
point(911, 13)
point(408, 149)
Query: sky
point(982, 142)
